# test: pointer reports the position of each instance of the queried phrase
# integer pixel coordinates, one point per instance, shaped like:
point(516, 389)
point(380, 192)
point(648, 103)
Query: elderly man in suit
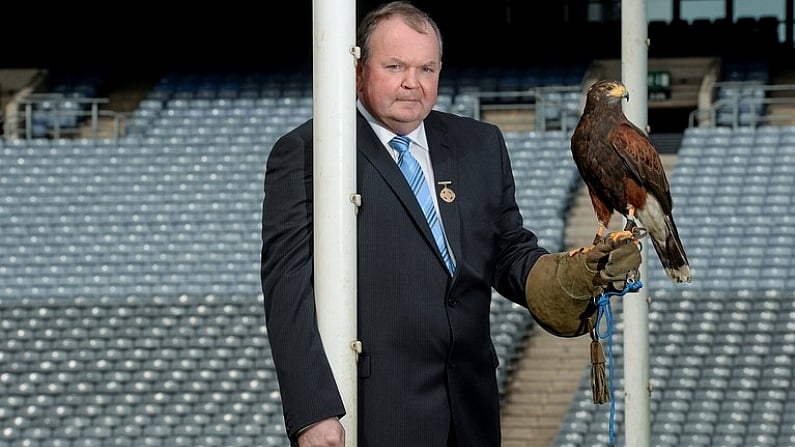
point(427, 261)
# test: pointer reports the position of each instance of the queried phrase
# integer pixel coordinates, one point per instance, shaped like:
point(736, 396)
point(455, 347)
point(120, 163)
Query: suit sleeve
point(308, 390)
point(518, 248)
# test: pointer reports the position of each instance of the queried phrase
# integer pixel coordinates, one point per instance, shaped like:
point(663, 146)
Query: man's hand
point(326, 433)
point(561, 288)
point(617, 259)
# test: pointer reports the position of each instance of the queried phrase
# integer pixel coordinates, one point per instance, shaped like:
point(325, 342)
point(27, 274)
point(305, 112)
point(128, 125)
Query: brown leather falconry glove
point(561, 287)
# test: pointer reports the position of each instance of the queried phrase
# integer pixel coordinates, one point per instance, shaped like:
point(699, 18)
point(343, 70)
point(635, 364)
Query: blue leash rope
point(605, 310)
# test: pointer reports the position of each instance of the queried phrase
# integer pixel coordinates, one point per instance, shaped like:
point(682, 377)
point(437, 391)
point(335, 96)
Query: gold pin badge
point(446, 194)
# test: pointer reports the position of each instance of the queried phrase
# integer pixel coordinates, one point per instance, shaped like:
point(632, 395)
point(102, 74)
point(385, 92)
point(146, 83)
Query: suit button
point(452, 302)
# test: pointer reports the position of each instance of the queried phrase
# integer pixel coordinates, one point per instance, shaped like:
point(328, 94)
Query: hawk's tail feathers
point(671, 252)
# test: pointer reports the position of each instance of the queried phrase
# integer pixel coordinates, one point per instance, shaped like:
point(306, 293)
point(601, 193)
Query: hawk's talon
point(618, 236)
point(581, 250)
point(639, 232)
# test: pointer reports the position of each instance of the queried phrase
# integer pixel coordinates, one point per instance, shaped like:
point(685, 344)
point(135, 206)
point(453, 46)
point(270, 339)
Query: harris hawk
point(623, 172)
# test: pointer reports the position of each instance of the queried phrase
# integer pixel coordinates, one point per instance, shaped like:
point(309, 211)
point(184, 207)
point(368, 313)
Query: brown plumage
point(623, 172)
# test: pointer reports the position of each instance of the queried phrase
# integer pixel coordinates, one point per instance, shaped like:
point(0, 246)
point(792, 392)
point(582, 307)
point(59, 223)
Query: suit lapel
point(444, 171)
point(372, 149)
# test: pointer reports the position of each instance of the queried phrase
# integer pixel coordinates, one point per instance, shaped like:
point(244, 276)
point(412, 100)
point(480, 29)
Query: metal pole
point(334, 92)
point(637, 392)
point(28, 120)
point(789, 24)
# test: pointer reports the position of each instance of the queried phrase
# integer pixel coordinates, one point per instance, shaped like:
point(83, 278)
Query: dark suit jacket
point(428, 359)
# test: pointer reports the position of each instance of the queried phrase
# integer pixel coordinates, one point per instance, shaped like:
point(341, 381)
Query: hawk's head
point(608, 92)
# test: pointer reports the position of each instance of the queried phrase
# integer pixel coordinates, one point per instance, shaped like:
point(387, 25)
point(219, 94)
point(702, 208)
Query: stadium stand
point(130, 309)
point(130, 298)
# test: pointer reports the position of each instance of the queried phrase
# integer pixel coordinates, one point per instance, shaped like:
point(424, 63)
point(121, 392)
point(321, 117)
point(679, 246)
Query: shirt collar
point(417, 135)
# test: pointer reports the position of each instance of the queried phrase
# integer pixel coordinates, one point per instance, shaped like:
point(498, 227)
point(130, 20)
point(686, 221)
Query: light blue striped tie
point(413, 173)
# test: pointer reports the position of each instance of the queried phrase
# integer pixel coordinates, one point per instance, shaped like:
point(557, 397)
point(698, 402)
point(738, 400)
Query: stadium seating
point(130, 304)
point(131, 314)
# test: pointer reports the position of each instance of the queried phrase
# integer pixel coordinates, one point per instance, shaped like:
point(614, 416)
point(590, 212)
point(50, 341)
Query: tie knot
point(400, 144)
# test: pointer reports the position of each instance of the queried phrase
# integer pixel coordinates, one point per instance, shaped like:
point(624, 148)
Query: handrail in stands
point(61, 115)
point(537, 99)
point(733, 104)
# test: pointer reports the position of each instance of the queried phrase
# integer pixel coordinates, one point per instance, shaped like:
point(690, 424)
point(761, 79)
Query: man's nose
point(410, 78)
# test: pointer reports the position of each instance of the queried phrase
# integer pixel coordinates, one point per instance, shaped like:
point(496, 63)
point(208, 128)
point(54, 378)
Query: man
point(427, 370)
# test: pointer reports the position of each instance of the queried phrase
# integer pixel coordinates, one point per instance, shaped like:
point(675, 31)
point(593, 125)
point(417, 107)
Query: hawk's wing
point(642, 161)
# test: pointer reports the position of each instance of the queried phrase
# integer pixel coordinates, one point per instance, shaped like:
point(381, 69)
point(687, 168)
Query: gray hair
point(415, 18)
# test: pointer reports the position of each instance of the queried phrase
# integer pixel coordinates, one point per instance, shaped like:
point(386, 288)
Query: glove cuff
point(559, 291)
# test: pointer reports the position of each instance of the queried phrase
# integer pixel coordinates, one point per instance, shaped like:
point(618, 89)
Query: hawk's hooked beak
point(621, 92)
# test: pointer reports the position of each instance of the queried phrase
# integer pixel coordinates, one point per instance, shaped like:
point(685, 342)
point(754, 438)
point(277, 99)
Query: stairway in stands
point(783, 113)
point(122, 99)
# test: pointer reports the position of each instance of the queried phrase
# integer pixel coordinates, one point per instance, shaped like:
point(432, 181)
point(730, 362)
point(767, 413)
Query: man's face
point(399, 84)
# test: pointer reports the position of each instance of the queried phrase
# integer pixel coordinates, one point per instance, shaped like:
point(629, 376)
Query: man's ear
point(359, 68)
